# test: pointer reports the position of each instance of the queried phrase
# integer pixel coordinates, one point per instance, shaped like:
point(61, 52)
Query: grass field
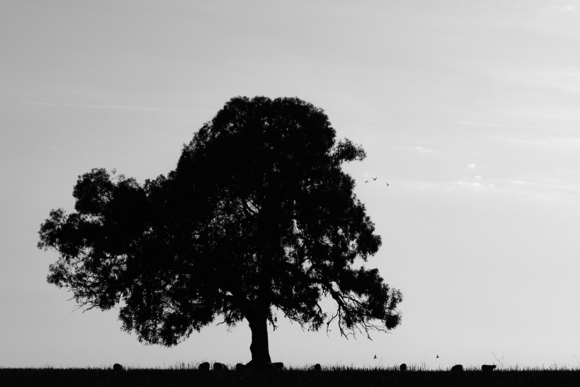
point(335, 377)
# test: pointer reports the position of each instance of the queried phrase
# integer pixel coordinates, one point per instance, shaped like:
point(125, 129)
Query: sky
point(468, 109)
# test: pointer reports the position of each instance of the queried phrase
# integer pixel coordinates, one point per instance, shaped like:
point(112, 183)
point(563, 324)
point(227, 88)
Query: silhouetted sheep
point(486, 367)
point(203, 366)
point(219, 367)
point(457, 367)
point(240, 367)
point(278, 366)
point(403, 367)
point(118, 367)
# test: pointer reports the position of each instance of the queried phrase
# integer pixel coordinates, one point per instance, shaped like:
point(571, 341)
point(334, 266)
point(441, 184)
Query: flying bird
point(375, 356)
point(375, 179)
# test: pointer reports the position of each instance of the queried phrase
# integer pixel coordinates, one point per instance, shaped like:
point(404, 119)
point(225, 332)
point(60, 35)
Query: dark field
point(290, 378)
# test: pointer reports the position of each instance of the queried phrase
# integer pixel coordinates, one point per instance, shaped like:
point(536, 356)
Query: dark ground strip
point(289, 378)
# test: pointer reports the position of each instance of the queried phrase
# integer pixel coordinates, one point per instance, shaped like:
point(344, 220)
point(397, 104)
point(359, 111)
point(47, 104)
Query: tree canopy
point(257, 216)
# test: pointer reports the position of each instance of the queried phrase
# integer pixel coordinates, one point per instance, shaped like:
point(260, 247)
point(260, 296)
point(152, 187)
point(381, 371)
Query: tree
point(257, 216)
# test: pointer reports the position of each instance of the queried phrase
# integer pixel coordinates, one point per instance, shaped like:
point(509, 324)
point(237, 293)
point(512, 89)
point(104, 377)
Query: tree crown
point(257, 214)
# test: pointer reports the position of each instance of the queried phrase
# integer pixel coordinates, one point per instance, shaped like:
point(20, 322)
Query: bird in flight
point(374, 178)
point(375, 356)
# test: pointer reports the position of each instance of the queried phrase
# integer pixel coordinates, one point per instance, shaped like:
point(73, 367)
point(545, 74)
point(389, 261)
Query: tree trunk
point(259, 346)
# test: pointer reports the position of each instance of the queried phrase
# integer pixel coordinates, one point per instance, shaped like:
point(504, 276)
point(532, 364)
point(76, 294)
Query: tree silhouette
point(258, 216)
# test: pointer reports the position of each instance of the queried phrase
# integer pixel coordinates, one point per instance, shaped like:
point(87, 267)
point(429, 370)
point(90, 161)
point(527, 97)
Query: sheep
point(203, 366)
point(457, 367)
point(219, 367)
point(317, 367)
point(403, 367)
point(118, 367)
point(486, 367)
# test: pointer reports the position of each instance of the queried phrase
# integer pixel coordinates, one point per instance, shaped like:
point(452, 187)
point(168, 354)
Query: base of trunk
point(260, 366)
point(259, 346)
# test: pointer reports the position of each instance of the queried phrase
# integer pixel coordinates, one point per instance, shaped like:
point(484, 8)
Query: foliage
point(258, 215)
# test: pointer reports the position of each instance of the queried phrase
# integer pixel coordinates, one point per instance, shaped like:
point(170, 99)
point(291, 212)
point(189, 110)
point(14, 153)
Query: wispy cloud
point(558, 6)
point(97, 106)
point(556, 143)
point(450, 123)
point(555, 78)
point(564, 188)
point(498, 125)
point(423, 150)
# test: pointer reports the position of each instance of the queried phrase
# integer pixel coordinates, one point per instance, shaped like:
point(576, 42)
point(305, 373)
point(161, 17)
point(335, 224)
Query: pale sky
point(468, 109)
